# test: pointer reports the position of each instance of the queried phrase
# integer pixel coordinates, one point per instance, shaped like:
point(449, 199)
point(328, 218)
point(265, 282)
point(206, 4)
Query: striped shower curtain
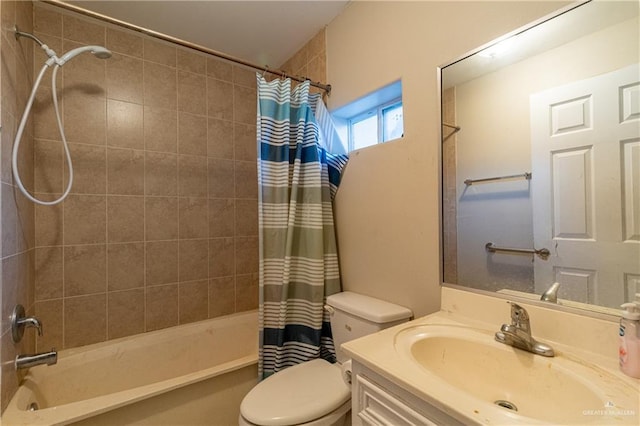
point(298, 254)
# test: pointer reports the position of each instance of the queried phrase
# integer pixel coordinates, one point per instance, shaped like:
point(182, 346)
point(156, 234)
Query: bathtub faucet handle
point(19, 322)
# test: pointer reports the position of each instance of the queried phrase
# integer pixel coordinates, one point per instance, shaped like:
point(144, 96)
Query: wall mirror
point(541, 160)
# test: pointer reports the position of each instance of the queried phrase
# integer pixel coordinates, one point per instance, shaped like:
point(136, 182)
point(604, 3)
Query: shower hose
point(23, 122)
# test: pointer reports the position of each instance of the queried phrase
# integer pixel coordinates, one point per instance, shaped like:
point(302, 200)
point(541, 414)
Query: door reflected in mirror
point(541, 154)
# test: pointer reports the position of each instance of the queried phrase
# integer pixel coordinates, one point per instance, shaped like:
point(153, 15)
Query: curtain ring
point(264, 71)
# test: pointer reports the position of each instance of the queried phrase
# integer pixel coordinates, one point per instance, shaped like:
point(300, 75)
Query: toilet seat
point(296, 395)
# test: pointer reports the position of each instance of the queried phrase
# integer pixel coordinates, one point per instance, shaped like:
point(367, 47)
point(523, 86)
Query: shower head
point(98, 51)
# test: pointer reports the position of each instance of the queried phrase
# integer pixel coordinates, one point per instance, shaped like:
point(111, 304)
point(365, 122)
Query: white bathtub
point(192, 374)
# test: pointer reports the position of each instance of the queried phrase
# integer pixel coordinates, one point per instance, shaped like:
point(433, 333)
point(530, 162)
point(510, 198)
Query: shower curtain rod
point(155, 34)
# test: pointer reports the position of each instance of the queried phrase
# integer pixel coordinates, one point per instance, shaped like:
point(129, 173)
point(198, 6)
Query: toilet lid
point(296, 395)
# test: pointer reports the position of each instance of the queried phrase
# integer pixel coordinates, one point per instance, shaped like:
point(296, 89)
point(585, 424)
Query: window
point(373, 119)
point(377, 125)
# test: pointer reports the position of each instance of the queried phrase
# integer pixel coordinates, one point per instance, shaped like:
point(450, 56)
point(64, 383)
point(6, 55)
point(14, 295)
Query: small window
point(373, 119)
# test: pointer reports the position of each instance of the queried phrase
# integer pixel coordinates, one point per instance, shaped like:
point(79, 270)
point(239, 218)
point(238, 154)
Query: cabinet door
point(377, 407)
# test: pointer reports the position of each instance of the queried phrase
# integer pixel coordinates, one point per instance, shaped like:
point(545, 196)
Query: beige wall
point(17, 219)
point(160, 227)
point(387, 205)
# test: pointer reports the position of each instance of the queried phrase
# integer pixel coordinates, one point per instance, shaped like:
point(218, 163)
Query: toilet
point(314, 393)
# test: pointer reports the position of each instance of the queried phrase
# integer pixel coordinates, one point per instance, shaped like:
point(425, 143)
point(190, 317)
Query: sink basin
point(558, 390)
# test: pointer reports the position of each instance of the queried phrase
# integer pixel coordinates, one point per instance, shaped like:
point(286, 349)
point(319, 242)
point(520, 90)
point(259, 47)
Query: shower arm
point(19, 34)
point(53, 58)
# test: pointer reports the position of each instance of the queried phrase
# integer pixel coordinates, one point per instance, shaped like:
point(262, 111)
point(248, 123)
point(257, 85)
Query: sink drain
point(506, 404)
point(33, 406)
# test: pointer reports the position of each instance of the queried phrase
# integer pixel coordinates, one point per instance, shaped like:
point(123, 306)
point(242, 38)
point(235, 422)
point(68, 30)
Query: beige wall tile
point(244, 142)
point(192, 134)
point(160, 52)
point(85, 219)
point(246, 217)
point(125, 313)
point(194, 260)
point(85, 270)
point(49, 166)
point(220, 139)
point(160, 88)
point(49, 225)
point(125, 171)
point(124, 125)
point(125, 219)
point(317, 68)
point(192, 176)
point(124, 79)
point(9, 220)
point(44, 119)
point(222, 293)
point(221, 178)
point(84, 73)
point(246, 255)
point(125, 42)
point(49, 312)
point(192, 93)
point(83, 310)
point(125, 266)
point(162, 306)
point(89, 169)
point(246, 179)
point(47, 21)
point(193, 217)
point(6, 141)
point(244, 76)
point(160, 129)
point(246, 292)
point(244, 105)
point(85, 118)
point(161, 218)
point(10, 379)
point(82, 30)
point(220, 99)
point(161, 174)
point(194, 301)
point(192, 61)
point(221, 257)
point(317, 45)
point(48, 273)
point(219, 69)
point(161, 262)
point(222, 217)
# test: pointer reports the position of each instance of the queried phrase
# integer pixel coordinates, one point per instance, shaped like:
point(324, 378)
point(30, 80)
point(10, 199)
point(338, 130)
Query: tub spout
point(27, 361)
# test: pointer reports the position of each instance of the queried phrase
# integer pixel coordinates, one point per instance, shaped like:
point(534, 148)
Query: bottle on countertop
point(629, 350)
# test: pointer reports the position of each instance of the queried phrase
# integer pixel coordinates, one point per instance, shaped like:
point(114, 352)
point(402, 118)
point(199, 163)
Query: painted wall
point(387, 207)
point(494, 112)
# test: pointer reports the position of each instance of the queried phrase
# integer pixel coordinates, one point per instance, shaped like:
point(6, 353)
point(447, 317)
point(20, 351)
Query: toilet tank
point(355, 315)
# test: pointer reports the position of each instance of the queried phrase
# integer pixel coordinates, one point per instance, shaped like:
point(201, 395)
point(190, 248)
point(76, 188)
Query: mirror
point(541, 160)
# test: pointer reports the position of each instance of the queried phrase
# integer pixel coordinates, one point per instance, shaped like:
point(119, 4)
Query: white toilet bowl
point(314, 393)
point(311, 394)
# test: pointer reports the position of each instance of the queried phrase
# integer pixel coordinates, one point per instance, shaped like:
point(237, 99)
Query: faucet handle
point(520, 317)
point(19, 322)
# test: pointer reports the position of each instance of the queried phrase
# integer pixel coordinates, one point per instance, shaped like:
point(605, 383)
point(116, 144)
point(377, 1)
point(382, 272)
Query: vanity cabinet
point(377, 401)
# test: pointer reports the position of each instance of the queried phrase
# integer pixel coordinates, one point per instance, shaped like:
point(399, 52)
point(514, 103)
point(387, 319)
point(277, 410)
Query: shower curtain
point(298, 253)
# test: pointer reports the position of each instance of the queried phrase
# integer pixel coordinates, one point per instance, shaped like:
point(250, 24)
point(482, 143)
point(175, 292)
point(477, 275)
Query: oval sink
point(557, 390)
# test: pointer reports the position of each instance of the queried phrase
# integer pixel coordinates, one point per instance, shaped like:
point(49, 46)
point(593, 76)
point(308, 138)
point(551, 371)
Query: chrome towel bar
point(526, 175)
point(542, 253)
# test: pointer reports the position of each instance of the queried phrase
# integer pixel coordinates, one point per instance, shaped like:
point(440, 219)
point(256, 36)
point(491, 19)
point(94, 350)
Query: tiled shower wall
point(17, 220)
point(161, 226)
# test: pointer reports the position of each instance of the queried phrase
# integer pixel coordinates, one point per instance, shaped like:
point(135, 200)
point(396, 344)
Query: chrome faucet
point(19, 322)
point(518, 333)
point(26, 361)
point(551, 295)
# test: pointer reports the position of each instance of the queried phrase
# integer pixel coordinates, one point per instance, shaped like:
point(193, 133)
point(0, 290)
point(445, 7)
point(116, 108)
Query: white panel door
point(585, 142)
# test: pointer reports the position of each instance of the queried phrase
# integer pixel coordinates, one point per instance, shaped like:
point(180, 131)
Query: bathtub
point(191, 374)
